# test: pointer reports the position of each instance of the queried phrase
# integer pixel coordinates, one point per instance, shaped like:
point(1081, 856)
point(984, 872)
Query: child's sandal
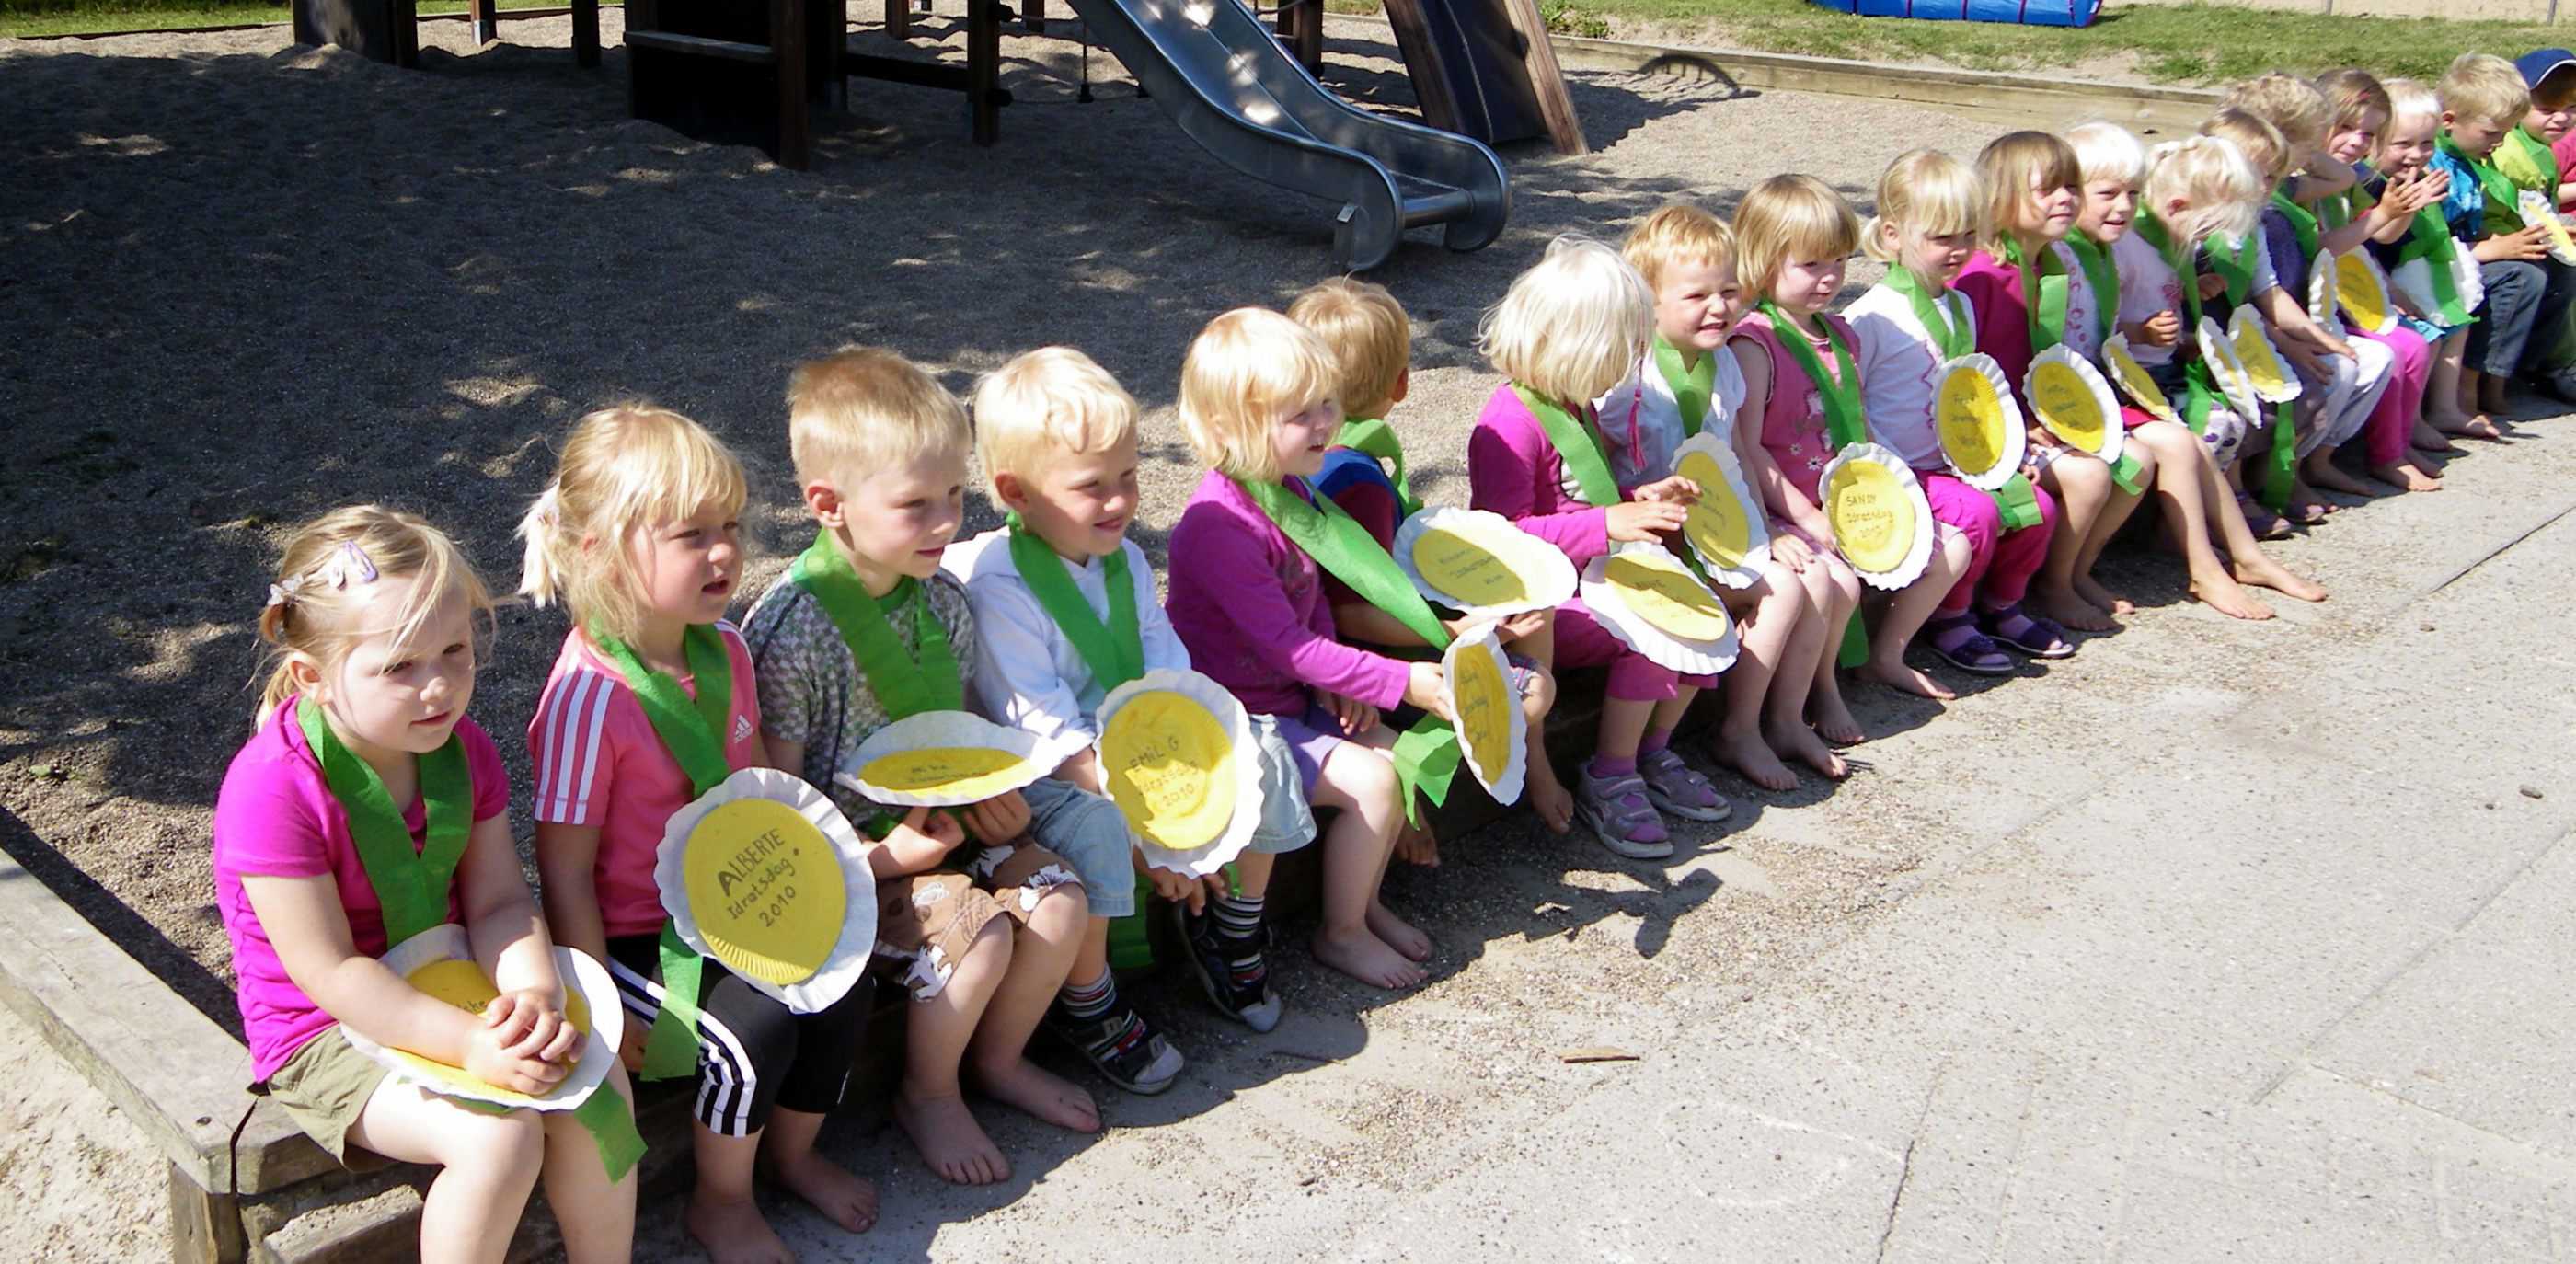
point(2032, 635)
point(1956, 639)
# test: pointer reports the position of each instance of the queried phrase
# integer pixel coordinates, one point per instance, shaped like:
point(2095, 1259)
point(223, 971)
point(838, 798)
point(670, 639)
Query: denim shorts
point(1293, 749)
point(1090, 833)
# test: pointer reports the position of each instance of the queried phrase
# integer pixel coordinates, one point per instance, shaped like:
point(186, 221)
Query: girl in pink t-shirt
point(638, 538)
point(374, 616)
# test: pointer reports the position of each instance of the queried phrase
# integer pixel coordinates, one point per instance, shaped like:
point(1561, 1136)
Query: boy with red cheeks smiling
point(865, 630)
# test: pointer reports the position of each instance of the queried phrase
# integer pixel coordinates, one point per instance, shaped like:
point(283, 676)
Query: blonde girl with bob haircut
point(2195, 190)
point(1689, 385)
point(1907, 327)
point(373, 622)
point(1796, 236)
point(2402, 160)
point(2025, 301)
point(638, 538)
point(1247, 600)
point(1568, 330)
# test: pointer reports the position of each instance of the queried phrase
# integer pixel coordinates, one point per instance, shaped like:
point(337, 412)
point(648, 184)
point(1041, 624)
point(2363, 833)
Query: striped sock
point(1237, 916)
point(1085, 1002)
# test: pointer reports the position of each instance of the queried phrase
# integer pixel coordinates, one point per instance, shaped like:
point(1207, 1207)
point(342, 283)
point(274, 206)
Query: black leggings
point(753, 1052)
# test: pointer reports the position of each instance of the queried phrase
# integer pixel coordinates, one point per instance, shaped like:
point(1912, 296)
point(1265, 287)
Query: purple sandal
point(2032, 635)
point(1956, 639)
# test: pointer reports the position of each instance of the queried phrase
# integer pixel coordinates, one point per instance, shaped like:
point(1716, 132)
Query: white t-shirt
point(1029, 676)
point(1900, 369)
point(1641, 420)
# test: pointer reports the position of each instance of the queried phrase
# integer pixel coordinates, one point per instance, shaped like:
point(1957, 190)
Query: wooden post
point(1033, 15)
point(482, 18)
point(1547, 79)
point(585, 33)
point(899, 18)
point(1301, 26)
point(205, 1228)
point(787, 40)
point(984, 67)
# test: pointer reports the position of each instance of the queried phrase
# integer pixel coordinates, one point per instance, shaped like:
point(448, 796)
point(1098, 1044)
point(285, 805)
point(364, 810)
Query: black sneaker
point(1121, 1047)
point(1232, 971)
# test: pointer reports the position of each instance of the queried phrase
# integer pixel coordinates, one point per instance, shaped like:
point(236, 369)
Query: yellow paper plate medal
point(1977, 421)
point(2273, 380)
point(1493, 735)
point(2228, 370)
point(945, 759)
point(2075, 403)
point(2361, 292)
point(1882, 524)
point(1725, 530)
point(765, 875)
point(1655, 606)
point(2536, 209)
point(2135, 381)
point(2324, 307)
point(440, 963)
point(1178, 757)
point(1479, 563)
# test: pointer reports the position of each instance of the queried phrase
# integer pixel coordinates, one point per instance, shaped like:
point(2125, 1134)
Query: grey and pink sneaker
point(1618, 811)
point(1679, 790)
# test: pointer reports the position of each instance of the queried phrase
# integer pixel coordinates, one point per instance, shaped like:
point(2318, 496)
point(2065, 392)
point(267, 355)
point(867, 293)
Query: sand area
point(246, 282)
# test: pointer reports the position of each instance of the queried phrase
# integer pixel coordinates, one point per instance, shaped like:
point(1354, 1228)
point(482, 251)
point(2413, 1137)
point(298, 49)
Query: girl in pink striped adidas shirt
point(637, 537)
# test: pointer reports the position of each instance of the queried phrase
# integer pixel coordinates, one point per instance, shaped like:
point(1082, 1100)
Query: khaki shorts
point(926, 921)
point(323, 1087)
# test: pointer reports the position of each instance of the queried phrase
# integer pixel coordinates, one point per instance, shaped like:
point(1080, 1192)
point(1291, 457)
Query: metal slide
point(1221, 75)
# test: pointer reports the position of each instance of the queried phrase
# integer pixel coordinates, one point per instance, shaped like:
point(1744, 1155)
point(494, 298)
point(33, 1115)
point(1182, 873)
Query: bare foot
point(734, 1232)
point(2434, 435)
point(1549, 797)
point(2270, 574)
point(2092, 591)
point(1041, 1093)
point(1898, 676)
point(2403, 476)
point(2220, 592)
point(1398, 933)
point(2481, 427)
point(949, 1139)
point(1367, 958)
point(1752, 757)
point(2328, 475)
point(845, 1198)
point(1800, 742)
point(2424, 465)
point(1833, 722)
point(2062, 606)
point(1417, 845)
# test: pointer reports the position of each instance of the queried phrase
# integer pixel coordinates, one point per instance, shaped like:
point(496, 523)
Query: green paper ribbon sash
point(1692, 387)
point(1376, 438)
point(1578, 444)
point(2017, 503)
point(1840, 393)
point(2102, 277)
point(2043, 294)
point(2501, 215)
point(2283, 468)
point(411, 883)
point(2235, 265)
point(1951, 338)
point(905, 682)
point(1425, 756)
point(2429, 239)
point(610, 1121)
point(693, 730)
point(2303, 222)
point(2125, 472)
point(2201, 389)
point(1114, 651)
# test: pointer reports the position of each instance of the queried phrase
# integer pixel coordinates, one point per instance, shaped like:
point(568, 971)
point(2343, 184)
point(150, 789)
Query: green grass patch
point(2176, 43)
point(106, 17)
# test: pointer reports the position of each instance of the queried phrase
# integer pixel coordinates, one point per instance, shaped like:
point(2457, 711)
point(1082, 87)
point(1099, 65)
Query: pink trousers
point(2000, 562)
point(1581, 641)
point(2393, 422)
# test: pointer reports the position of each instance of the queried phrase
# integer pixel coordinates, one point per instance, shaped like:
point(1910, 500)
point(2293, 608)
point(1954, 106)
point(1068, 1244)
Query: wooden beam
point(701, 46)
point(787, 37)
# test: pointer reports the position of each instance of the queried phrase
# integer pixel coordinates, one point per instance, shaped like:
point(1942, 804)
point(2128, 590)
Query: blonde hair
point(1573, 324)
point(862, 409)
point(1676, 235)
point(1245, 370)
point(2213, 177)
point(622, 470)
point(2107, 151)
point(1370, 335)
point(2255, 137)
point(2287, 102)
point(1053, 399)
point(313, 602)
point(2351, 94)
point(2484, 89)
point(1787, 219)
point(2013, 165)
point(1927, 191)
